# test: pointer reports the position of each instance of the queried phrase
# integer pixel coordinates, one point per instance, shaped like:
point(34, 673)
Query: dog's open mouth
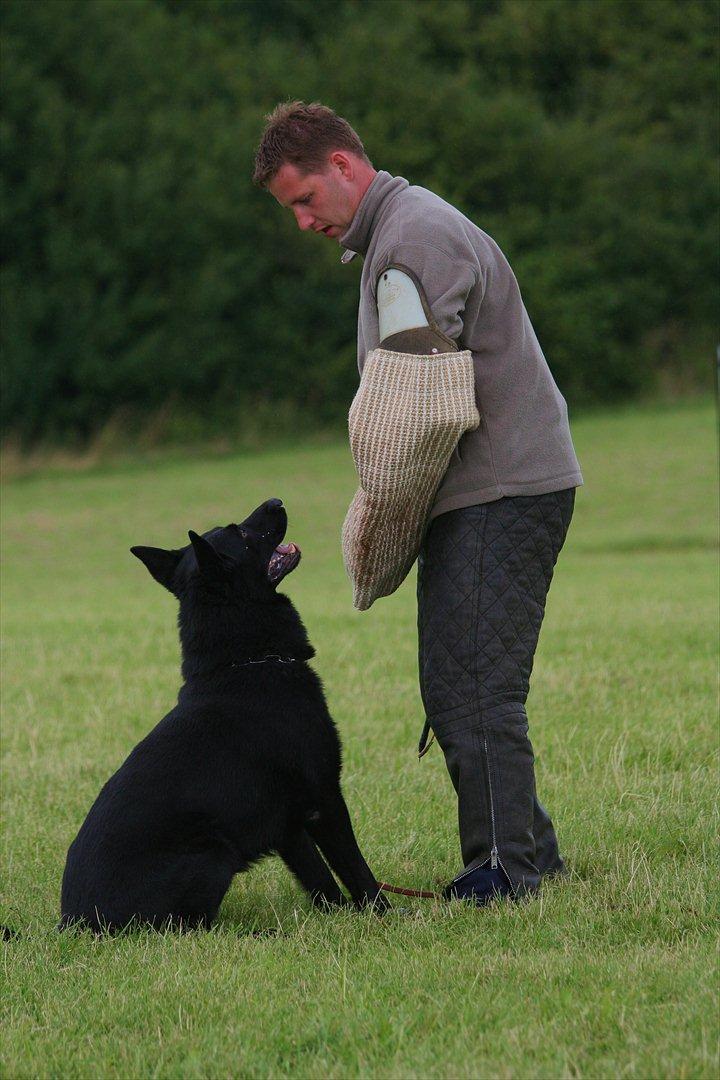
point(284, 558)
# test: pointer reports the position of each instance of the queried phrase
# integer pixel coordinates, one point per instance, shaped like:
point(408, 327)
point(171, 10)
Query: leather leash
point(409, 892)
point(423, 748)
point(424, 745)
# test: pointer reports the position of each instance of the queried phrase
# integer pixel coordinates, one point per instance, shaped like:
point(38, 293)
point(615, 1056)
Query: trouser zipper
point(495, 860)
point(494, 856)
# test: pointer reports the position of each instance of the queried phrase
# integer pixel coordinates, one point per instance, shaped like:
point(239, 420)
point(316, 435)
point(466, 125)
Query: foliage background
point(145, 282)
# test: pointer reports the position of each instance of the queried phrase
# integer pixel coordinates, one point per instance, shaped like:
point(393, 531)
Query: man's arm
point(405, 318)
point(421, 295)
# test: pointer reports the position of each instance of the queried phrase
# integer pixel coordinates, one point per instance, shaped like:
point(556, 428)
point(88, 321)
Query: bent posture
point(432, 281)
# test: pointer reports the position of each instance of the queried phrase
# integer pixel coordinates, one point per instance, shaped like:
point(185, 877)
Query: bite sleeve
point(404, 423)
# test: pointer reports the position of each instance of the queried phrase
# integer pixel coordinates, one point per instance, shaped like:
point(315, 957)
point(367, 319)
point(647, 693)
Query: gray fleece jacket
point(523, 444)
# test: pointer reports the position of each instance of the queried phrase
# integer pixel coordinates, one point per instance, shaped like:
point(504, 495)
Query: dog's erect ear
point(161, 564)
point(208, 560)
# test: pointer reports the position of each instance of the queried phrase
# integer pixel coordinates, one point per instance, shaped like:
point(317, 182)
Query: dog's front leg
point(333, 832)
point(309, 867)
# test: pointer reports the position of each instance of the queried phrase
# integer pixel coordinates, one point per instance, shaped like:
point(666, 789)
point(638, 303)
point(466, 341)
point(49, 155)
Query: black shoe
point(481, 885)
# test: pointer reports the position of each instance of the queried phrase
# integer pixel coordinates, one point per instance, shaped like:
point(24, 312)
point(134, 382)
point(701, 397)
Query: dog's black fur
point(247, 763)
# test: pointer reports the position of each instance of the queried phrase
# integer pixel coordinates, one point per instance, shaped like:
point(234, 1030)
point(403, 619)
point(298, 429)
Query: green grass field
point(610, 972)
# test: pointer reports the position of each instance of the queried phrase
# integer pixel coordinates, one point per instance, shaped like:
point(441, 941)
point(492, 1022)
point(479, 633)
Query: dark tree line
point(140, 267)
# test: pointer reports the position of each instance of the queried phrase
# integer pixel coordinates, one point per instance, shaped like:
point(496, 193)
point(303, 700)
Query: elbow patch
point(405, 318)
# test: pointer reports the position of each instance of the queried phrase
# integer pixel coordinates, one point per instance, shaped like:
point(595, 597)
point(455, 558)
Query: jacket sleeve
point(447, 282)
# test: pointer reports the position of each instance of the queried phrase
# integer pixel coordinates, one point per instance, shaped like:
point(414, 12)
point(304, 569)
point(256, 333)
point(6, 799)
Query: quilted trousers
point(483, 576)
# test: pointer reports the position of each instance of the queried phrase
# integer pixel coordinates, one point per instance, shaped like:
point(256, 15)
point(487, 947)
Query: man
point(502, 511)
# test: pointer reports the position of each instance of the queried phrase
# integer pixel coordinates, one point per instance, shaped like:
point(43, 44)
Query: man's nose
point(305, 221)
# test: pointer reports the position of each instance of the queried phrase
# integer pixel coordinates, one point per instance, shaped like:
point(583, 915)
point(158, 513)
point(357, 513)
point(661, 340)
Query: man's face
point(324, 202)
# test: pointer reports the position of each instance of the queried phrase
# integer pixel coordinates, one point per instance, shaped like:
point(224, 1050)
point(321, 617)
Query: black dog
point(247, 763)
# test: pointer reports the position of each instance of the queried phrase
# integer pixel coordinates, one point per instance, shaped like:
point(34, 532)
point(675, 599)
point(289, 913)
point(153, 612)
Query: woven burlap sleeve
point(405, 421)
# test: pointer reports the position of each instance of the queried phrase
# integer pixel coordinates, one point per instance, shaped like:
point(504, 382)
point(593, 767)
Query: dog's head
point(230, 564)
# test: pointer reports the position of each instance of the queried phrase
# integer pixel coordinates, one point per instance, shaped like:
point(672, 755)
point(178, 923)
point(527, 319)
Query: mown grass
point(609, 973)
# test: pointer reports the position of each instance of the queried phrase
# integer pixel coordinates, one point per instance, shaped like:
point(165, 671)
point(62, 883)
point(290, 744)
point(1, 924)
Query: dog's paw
point(328, 904)
point(377, 904)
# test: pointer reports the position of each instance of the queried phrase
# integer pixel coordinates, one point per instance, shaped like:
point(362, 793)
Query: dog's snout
point(269, 519)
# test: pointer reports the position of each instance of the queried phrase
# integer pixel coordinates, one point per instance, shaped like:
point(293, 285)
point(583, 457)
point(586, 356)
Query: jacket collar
point(383, 188)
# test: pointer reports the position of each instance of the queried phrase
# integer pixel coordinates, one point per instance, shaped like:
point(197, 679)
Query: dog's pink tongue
point(285, 549)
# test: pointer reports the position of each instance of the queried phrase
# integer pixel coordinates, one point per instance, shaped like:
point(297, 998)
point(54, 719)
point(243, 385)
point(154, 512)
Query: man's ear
point(208, 560)
point(161, 564)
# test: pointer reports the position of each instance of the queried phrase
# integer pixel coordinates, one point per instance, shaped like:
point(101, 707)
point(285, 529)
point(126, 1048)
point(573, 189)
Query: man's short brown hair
point(302, 135)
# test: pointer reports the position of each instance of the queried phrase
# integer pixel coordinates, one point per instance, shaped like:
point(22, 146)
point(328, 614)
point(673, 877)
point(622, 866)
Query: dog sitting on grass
point(246, 764)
